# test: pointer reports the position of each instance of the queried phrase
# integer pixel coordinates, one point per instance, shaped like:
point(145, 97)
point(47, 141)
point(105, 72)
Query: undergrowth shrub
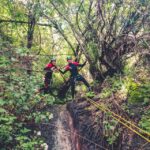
point(139, 93)
point(20, 105)
point(145, 121)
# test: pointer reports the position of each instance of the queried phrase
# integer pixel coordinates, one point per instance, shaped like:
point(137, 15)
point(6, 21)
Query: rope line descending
point(121, 120)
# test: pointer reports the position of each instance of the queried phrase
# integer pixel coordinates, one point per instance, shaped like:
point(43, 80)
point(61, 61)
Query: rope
point(103, 108)
point(131, 123)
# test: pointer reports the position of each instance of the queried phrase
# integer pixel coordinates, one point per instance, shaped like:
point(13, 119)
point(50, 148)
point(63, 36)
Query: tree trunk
point(96, 73)
point(31, 26)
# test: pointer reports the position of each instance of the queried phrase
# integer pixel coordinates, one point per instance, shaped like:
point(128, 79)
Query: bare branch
point(23, 22)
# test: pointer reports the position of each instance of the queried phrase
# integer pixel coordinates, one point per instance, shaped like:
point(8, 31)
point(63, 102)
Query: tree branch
point(23, 22)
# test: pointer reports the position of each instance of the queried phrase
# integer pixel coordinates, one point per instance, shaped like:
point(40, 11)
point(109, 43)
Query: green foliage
point(6, 126)
point(114, 84)
point(26, 142)
point(110, 130)
point(106, 93)
point(13, 131)
point(139, 93)
point(90, 94)
point(113, 138)
point(77, 24)
point(41, 116)
point(20, 104)
point(145, 121)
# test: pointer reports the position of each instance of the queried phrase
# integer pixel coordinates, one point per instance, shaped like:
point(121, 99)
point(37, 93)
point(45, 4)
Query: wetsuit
point(75, 76)
point(48, 76)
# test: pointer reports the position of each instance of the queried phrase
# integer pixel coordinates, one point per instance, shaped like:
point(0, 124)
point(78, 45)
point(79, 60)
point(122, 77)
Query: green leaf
point(2, 110)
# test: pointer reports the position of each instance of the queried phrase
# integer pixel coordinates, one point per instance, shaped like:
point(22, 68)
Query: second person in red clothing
point(75, 76)
point(50, 68)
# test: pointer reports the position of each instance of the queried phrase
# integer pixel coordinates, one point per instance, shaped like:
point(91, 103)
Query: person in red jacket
point(75, 76)
point(49, 68)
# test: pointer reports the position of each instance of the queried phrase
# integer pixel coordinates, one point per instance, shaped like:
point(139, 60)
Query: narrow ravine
point(60, 133)
point(74, 127)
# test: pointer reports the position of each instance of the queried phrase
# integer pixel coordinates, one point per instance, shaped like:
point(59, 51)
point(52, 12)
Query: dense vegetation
point(113, 36)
